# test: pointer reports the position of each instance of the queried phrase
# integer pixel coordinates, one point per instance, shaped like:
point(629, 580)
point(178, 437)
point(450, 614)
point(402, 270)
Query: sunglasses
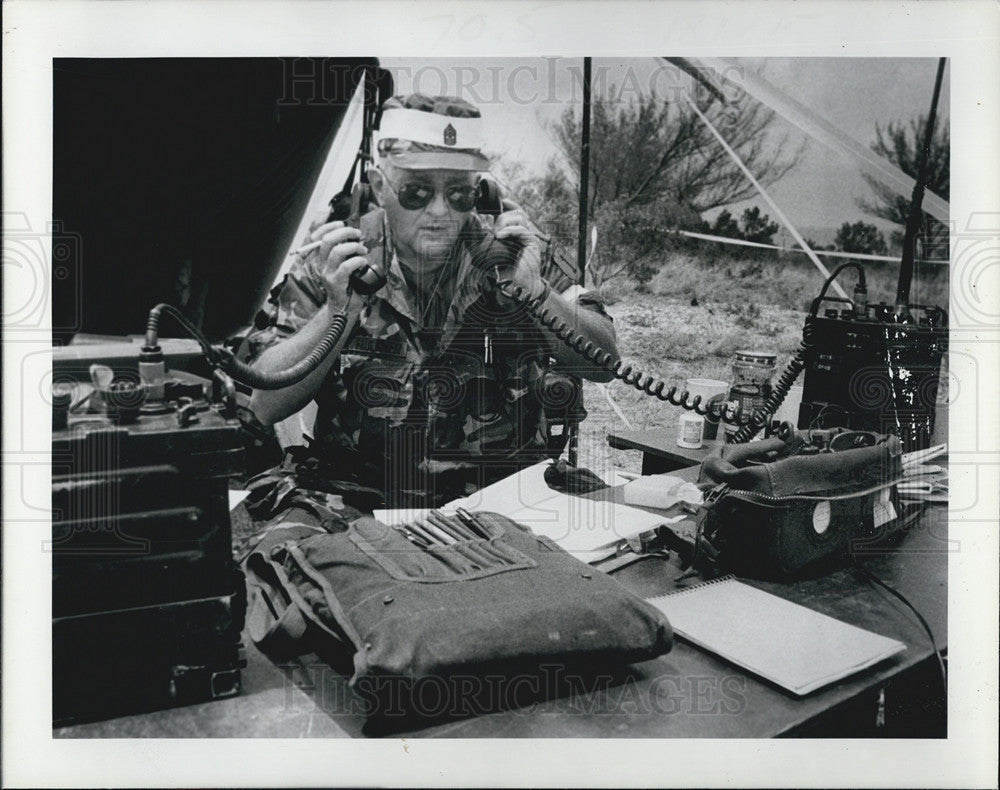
point(414, 195)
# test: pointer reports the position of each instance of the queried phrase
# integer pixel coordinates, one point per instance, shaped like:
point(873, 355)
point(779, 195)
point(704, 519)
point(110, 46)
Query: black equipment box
point(151, 657)
point(147, 602)
point(874, 375)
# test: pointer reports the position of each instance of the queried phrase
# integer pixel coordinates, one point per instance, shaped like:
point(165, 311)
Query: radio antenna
point(915, 218)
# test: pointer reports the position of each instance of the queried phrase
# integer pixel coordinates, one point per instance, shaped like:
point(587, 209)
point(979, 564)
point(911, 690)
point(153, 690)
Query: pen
point(411, 536)
point(442, 537)
point(471, 522)
point(462, 533)
point(424, 534)
point(474, 551)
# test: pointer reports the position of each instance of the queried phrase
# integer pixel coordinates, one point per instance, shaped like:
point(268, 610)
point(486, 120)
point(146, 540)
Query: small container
point(690, 430)
point(710, 391)
point(753, 368)
point(62, 396)
point(712, 423)
point(752, 372)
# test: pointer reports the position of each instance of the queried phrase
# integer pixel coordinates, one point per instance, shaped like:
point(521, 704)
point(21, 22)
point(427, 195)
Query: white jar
point(690, 431)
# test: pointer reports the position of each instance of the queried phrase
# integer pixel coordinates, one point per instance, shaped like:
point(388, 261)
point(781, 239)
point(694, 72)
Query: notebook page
point(514, 492)
point(790, 645)
point(589, 529)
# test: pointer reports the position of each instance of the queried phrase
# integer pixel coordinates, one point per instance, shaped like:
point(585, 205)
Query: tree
point(725, 225)
point(654, 167)
point(900, 144)
point(647, 149)
point(815, 245)
point(757, 227)
point(860, 237)
point(752, 226)
point(632, 239)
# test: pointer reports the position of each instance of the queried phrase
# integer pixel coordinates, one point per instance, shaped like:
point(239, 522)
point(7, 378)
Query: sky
point(520, 97)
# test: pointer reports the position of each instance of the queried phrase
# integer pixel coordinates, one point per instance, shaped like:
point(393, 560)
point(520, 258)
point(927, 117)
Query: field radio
point(147, 603)
point(866, 371)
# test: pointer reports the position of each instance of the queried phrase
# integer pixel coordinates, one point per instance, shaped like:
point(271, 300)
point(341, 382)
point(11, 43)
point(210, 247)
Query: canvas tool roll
point(512, 600)
point(771, 511)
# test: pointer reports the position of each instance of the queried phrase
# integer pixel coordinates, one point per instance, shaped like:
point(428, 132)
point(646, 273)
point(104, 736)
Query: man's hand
point(513, 224)
point(340, 254)
point(591, 326)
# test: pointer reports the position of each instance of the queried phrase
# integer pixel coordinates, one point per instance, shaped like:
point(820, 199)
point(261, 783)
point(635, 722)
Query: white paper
point(589, 529)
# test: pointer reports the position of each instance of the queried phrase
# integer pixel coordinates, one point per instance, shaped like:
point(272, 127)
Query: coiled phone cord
point(750, 424)
point(223, 358)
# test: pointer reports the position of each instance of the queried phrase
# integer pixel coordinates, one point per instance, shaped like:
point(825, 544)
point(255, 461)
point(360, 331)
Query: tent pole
point(581, 250)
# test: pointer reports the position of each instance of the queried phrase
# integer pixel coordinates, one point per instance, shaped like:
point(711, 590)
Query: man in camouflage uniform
point(441, 381)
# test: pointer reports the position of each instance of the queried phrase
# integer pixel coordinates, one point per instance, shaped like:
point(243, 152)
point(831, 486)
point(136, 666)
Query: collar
point(398, 294)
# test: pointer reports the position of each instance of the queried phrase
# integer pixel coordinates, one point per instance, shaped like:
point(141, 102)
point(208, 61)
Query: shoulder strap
point(274, 623)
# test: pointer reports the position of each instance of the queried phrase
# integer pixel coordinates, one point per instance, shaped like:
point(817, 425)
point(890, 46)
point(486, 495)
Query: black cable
point(798, 362)
point(261, 380)
point(930, 634)
point(224, 359)
point(781, 389)
point(862, 284)
point(750, 425)
point(153, 329)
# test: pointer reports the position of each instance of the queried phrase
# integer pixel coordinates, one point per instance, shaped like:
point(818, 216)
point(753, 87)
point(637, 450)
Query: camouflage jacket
point(423, 409)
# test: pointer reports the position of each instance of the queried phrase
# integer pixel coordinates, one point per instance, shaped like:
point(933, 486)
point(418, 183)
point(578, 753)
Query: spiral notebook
point(795, 647)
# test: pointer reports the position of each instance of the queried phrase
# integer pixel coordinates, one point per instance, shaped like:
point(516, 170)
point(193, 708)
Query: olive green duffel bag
point(505, 603)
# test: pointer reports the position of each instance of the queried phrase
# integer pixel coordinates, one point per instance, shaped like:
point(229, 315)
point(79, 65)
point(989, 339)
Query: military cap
point(420, 132)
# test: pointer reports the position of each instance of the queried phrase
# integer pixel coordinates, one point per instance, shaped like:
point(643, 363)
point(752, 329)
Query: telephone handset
point(365, 281)
point(493, 254)
point(368, 279)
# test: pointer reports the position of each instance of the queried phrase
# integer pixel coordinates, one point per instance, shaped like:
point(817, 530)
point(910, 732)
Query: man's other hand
point(527, 275)
point(339, 255)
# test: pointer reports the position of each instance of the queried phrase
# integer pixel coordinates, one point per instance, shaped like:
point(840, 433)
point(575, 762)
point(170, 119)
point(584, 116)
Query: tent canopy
point(183, 180)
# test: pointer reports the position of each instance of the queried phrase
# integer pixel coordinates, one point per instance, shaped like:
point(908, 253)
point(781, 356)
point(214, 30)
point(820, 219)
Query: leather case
point(774, 513)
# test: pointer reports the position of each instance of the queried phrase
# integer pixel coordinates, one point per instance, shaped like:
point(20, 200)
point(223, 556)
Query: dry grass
point(789, 281)
point(740, 304)
point(673, 340)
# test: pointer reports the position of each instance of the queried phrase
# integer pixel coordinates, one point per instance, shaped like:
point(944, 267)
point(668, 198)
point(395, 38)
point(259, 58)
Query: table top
point(685, 693)
point(662, 442)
